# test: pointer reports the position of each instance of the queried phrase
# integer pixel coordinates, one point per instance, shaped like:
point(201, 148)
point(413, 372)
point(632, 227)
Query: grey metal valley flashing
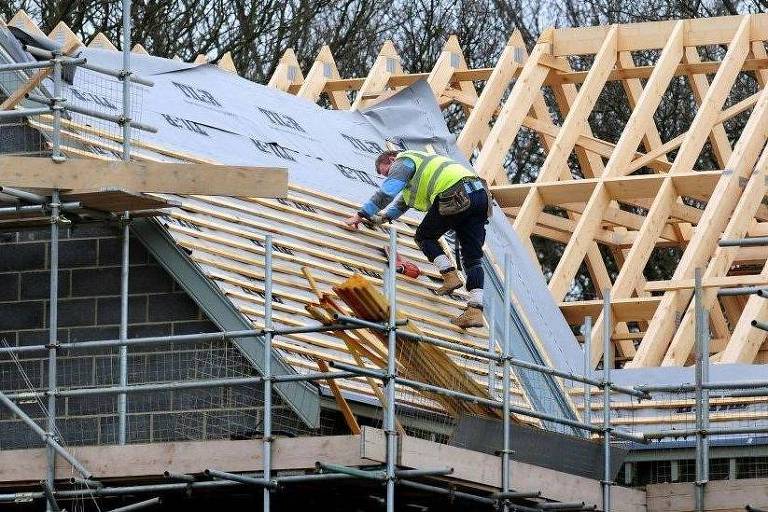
point(301, 397)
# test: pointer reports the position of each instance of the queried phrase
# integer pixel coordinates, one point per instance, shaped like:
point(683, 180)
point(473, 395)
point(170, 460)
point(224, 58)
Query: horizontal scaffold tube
point(186, 484)
point(243, 479)
point(446, 492)
point(179, 338)
point(179, 385)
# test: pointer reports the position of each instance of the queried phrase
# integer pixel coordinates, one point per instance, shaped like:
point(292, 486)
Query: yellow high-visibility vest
point(434, 174)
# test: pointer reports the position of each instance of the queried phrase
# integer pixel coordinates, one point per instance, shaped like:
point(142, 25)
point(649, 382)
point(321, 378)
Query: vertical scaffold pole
point(56, 106)
point(607, 363)
point(126, 78)
point(53, 324)
point(587, 416)
point(491, 348)
point(268, 330)
point(391, 431)
point(705, 397)
point(699, 379)
point(506, 377)
point(122, 399)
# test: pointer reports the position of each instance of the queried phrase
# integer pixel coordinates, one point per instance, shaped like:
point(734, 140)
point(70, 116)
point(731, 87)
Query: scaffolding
point(268, 483)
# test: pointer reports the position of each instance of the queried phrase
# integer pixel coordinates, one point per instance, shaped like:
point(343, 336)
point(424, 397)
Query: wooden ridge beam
point(654, 34)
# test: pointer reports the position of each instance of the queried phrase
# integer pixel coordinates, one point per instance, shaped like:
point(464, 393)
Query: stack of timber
point(420, 361)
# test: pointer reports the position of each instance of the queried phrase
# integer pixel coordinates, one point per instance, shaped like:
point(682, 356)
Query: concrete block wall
point(89, 309)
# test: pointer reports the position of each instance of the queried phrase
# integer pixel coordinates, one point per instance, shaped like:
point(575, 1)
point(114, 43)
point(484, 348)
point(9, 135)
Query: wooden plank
point(721, 495)
point(139, 460)
point(483, 469)
point(117, 201)
point(90, 175)
point(624, 310)
point(346, 411)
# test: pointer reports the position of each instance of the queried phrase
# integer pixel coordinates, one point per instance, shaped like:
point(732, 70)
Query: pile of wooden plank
point(417, 360)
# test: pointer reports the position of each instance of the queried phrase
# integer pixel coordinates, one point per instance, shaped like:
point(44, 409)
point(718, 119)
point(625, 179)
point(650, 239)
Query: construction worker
point(453, 197)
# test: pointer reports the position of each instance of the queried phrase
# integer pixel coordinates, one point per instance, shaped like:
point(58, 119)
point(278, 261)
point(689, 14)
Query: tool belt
point(455, 200)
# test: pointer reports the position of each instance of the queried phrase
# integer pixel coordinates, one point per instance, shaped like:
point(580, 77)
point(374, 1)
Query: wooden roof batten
point(595, 205)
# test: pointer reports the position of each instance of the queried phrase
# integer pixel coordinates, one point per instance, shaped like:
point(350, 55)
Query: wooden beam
point(695, 184)
point(387, 64)
point(322, 71)
point(89, 175)
point(33, 81)
point(142, 460)
point(287, 74)
point(477, 127)
point(715, 282)
point(568, 134)
point(718, 266)
point(524, 93)
point(652, 35)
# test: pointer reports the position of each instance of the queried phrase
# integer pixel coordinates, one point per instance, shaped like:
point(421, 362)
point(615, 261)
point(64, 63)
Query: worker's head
point(384, 162)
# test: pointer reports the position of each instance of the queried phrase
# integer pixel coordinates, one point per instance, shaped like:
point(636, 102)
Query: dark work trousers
point(469, 226)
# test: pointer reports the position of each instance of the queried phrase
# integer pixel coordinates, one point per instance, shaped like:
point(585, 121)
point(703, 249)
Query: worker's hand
point(352, 223)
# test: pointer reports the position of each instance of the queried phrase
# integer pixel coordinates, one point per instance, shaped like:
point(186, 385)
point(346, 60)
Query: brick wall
point(89, 309)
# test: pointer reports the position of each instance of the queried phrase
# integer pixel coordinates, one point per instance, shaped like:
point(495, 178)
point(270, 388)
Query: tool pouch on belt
point(454, 200)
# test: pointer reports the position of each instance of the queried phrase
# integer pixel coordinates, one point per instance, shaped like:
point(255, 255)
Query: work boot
point(471, 317)
point(451, 281)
